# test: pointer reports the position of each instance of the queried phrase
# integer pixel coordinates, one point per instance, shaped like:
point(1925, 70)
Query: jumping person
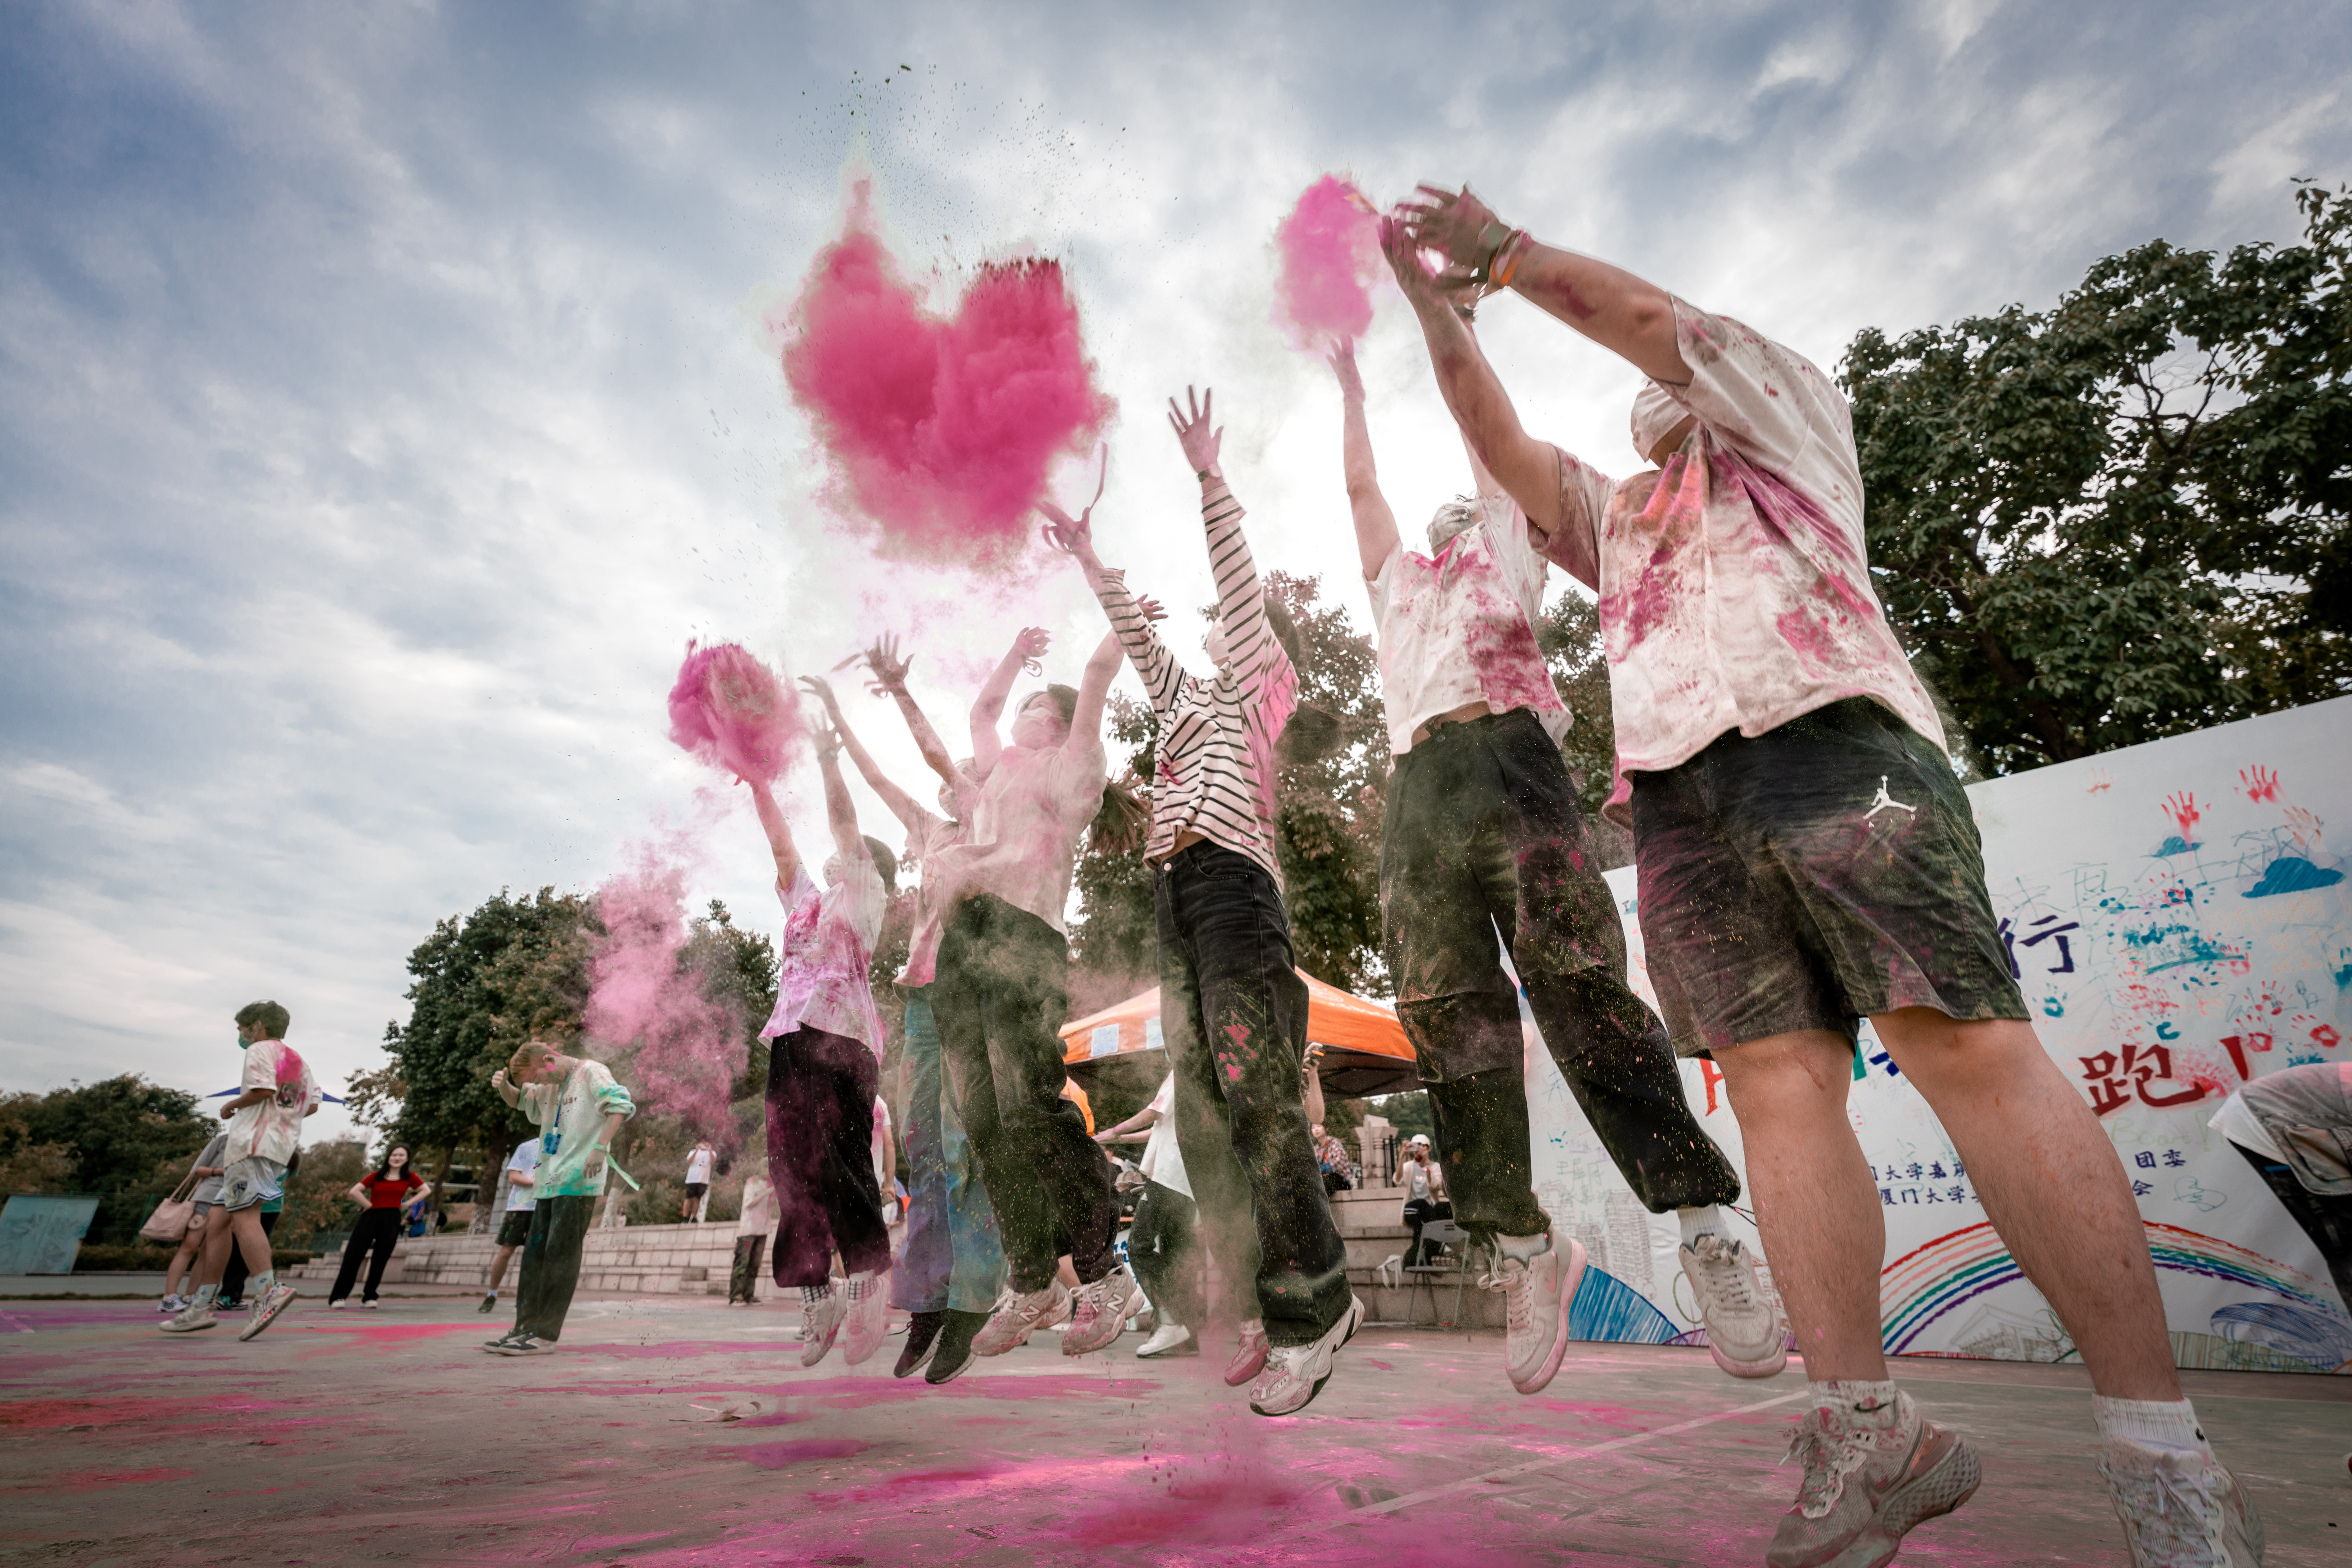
point(1000, 990)
point(579, 1109)
point(1233, 1009)
point(265, 1128)
point(383, 1194)
point(514, 1224)
point(1763, 708)
point(950, 1269)
point(234, 1274)
point(825, 1060)
point(1482, 834)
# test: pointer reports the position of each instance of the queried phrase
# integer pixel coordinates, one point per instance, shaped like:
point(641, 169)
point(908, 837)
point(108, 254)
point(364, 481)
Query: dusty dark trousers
point(551, 1264)
point(378, 1231)
point(821, 1157)
point(1483, 835)
point(2327, 1219)
point(743, 1284)
point(1163, 1248)
point(1000, 991)
point(1232, 1012)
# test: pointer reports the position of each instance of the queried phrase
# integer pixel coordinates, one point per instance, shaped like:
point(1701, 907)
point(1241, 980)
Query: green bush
point(146, 1257)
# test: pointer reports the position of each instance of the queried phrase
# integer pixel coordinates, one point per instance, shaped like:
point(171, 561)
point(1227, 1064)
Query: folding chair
point(1444, 1233)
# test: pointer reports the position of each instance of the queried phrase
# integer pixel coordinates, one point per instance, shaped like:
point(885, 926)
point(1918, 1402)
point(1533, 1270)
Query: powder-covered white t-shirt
point(272, 1129)
point(822, 964)
point(1459, 628)
point(1162, 1160)
point(521, 1196)
point(1026, 824)
point(1735, 590)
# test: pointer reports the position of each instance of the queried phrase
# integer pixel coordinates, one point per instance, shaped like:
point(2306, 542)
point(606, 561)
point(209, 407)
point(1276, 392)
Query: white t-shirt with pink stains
point(1459, 628)
point(271, 1129)
point(828, 947)
point(1735, 592)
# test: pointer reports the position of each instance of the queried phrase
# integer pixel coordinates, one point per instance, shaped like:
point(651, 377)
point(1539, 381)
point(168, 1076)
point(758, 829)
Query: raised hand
point(816, 686)
point(1150, 608)
point(1196, 432)
point(826, 739)
point(888, 669)
point(1077, 536)
point(1455, 221)
point(1030, 646)
point(1342, 360)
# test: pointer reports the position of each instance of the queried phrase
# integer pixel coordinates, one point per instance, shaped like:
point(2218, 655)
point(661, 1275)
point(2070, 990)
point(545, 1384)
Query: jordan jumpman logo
point(1885, 802)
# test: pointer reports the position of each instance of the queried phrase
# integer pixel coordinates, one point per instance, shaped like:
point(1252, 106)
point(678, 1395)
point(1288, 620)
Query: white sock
point(205, 1294)
point(2152, 1424)
point(263, 1282)
point(1699, 1222)
point(1862, 1401)
point(1525, 1248)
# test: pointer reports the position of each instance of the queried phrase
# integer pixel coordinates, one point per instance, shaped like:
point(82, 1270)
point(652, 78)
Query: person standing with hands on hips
point(579, 1109)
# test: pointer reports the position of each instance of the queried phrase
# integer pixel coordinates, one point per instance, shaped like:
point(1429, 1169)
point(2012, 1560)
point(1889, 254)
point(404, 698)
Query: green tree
point(1114, 941)
point(124, 1139)
point(2130, 515)
point(1570, 636)
point(316, 1195)
point(739, 971)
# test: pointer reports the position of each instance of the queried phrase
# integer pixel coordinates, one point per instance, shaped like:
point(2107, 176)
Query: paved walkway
point(388, 1436)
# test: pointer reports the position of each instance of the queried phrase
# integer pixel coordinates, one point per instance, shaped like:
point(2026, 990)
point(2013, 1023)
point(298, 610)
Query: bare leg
point(1815, 1202)
point(183, 1261)
point(2051, 1182)
point(243, 1230)
point(498, 1266)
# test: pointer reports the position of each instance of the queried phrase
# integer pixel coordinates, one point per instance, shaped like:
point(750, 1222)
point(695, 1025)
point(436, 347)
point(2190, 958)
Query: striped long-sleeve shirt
point(1216, 769)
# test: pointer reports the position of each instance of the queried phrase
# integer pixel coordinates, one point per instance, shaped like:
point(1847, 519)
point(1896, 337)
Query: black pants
point(378, 1231)
point(1483, 833)
point(1419, 1212)
point(550, 1265)
point(1163, 1247)
point(743, 1284)
point(2327, 1219)
point(1232, 1012)
point(821, 1090)
point(233, 1276)
point(1000, 993)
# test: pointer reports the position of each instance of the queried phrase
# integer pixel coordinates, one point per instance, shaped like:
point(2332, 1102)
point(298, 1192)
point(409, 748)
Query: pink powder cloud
point(730, 711)
point(941, 431)
point(1331, 253)
point(688, 1048)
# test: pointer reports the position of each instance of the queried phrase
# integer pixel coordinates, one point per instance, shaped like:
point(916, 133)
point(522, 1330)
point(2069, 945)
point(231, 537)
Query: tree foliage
point(2130, 515)
point(124, 1139)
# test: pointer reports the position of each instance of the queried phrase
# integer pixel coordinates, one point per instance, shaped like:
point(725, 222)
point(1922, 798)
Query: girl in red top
point(385, 1191)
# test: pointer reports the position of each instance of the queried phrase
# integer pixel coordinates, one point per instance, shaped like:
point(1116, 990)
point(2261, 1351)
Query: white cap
point(1418, 1138)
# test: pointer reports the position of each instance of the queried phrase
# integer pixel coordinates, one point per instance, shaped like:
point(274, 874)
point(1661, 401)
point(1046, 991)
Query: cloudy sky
point(386, 393)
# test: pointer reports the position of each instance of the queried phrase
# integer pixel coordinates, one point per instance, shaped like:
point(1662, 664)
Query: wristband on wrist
point(1507, 260)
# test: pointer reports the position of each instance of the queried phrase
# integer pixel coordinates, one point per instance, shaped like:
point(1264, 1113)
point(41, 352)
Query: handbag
point(173, 1216)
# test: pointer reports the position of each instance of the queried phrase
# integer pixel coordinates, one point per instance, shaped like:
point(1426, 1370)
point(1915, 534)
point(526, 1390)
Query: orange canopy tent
point(1365, 1051)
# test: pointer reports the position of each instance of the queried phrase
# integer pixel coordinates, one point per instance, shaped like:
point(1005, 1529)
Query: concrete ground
point(675, 1432)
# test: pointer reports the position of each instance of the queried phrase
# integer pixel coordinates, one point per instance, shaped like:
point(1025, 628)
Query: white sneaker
point(265, 1310)
point(2181, 1510)
point(1099, 1315)
point(171, 1306)
point(868, 1321)
point(819, 1324)
point(1744, 1331)
point(1536, 1293)
point(1017, 1317)
point(196, 1315)
point(1295, 1374)
point(1166, 1338)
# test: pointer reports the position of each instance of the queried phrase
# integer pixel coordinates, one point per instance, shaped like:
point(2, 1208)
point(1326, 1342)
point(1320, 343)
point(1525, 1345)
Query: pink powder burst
point(1331, 251)
point(730, 711)
point(941, 431)
point(644, 993)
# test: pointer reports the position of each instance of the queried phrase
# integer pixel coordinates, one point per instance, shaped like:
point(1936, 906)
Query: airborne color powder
point(1331, 251)
point(642, 992)
point(941, 431)
point(730, 711)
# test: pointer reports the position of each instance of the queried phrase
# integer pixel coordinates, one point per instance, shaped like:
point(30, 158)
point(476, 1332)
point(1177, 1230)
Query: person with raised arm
point(1000, 993)
point(950, 1266)
point(1767, 720)
point(1484, 835)
point(1233, 1009)
point(825, 1063)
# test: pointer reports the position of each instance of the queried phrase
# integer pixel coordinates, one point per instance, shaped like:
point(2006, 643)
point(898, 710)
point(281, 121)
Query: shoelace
point(1828, 1458)
point(1517, 1285)
point(1732, 1283)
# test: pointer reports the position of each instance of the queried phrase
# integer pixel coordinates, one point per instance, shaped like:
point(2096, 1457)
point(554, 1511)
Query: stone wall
point(647, 1260)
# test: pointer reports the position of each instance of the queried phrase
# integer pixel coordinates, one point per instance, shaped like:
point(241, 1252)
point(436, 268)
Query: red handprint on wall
point(2261, 783)
point(2181, 806)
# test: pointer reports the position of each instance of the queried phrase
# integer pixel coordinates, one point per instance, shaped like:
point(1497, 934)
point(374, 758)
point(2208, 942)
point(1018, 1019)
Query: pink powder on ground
point(730, 711)
point(1330, 252)
point(689, 1049)
point(941, 431)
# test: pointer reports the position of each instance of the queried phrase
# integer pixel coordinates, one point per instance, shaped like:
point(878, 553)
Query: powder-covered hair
point(268, 1015)
point(529, 1057)
point(883, 862)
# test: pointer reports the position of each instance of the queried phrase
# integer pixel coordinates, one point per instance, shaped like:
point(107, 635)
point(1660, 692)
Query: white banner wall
point(2178, 924)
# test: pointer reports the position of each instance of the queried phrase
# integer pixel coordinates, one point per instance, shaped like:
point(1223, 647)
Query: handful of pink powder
point(940, 430)
point(730, 711)
point(1331, 251)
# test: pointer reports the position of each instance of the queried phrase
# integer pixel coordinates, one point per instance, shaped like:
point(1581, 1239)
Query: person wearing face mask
point(1484, 837)
point(1233, 1010)
point(950, 1266)
point(1001, 991)
point(824, 1062)
point(1807, 860)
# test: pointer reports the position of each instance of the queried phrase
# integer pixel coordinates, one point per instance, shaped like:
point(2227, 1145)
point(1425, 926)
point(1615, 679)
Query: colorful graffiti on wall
point(2180, 926)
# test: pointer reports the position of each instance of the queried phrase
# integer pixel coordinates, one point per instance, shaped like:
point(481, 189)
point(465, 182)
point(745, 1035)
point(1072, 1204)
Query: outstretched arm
point(840, 811)
point(1251, 654)
point(780, 836)
point(1376, 529)
point(987, 745)
point(889, 677)
point(1628, 316)
point(1093, 688)
point(902, 804)
point(1130, 621)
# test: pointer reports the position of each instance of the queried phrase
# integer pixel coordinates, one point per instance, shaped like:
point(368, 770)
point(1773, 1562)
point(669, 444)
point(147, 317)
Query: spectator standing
point(752, 1232)
point(381, 1194)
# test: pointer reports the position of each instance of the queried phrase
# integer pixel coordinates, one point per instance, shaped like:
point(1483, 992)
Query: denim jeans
point(1000, 991)
point(1232, 1012)
point(952, 1256)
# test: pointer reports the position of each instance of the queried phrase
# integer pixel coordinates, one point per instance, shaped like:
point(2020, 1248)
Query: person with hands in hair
point(1766, 714)
point(579, 1109)
point(825, 1064)
point(1233, 1009)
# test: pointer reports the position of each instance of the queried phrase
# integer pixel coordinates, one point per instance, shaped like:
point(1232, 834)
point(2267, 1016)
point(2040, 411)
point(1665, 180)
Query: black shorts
point(696, 1189)
point(1821, 873)
point(514, 1228)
